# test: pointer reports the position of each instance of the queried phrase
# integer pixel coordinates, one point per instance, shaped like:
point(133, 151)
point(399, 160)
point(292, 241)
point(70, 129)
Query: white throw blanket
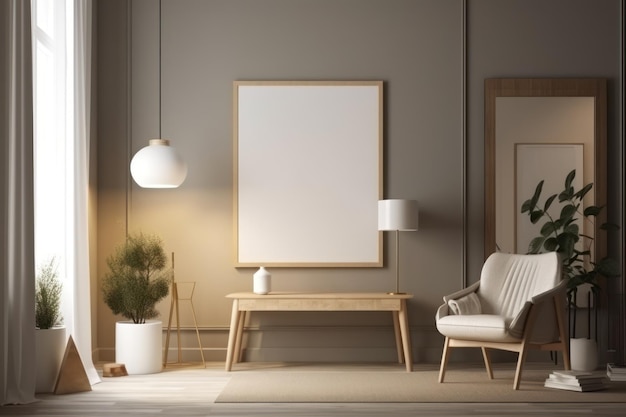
point(470, 304)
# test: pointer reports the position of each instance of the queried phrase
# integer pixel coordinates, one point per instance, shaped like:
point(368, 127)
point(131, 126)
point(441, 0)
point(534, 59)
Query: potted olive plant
point(137, 279)
point(50, 334)
point(562, 234)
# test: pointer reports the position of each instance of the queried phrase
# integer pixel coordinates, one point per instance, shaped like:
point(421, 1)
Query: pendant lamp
point(158, 165)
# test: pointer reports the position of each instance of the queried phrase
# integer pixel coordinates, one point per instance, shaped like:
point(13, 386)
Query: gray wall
point(417, 48)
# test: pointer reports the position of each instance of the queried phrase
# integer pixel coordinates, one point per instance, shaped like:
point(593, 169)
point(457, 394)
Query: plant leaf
point(566, 242)
point(572, 229)
point(536, 244)
point(608, 267)
point(581, 193)
point(592, 211)
point(535, 197)
point(551, 244)
point(549, 201)
point(609, 226)
point(583, 253)
point(568, 211)
point(535, 216)
point(548, 228)
point(566, 195)
point(526, 206)
point(570, 178)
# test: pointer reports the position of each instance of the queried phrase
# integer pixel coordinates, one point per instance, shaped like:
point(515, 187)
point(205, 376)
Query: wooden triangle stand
point(72, 376)
point(175, 306)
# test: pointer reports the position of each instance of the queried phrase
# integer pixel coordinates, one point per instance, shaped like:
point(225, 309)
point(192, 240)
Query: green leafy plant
point(562, 234)
point(137, 278)
point(48, 291)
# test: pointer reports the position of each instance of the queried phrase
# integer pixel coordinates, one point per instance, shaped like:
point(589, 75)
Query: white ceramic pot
point(139, 346)
point(583, 354)
point(262, 281)
point(50, 348)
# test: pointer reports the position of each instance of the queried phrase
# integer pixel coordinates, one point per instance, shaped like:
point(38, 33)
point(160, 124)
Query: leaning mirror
point(540, 129)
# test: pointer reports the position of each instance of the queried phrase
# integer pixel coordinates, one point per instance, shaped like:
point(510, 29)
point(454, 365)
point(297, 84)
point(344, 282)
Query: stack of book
point(616, 372)
point(575, 381)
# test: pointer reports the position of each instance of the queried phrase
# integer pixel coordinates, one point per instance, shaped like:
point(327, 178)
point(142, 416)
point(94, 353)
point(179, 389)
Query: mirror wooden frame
point(544, 87)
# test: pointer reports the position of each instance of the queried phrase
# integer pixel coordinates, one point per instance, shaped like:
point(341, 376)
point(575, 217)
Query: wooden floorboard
point(182, 391)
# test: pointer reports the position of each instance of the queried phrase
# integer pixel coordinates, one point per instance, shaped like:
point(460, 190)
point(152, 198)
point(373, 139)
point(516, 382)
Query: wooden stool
point(114, 369)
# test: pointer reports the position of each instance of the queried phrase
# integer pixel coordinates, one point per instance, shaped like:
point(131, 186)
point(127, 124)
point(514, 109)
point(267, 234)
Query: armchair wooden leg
point(566, 362)
point(558, 306)
point(444, 359)
point(487, 362)
point(520, 364)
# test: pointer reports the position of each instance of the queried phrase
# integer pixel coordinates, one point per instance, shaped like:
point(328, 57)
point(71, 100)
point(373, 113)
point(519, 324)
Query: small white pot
point(50, 348)
point(139, 346)
point(583, 354)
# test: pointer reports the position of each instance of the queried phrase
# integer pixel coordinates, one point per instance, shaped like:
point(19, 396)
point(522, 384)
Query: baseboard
point(320, 344)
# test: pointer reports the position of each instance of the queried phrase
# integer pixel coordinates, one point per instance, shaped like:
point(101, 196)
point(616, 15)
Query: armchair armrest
point(546, 295)
point(442, 311)
point(519, 322)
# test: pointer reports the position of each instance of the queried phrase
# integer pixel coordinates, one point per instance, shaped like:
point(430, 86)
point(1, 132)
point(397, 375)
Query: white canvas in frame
point(308, 164)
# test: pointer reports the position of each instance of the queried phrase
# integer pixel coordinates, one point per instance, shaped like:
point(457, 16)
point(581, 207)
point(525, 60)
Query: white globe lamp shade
point(158, 165)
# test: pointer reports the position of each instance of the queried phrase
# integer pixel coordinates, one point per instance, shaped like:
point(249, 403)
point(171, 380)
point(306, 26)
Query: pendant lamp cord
point(129, 105)
point(160, 87)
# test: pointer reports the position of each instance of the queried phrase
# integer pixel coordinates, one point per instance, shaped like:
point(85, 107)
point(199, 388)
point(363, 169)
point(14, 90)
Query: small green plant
point(561, 234)
point(137, 278)
point(48, 291)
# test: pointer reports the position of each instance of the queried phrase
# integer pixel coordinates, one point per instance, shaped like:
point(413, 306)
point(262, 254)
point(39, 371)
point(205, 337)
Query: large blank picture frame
point(307, 173)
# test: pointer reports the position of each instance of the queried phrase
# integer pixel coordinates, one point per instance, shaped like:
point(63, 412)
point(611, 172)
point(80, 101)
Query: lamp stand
point(175, 305)
point(397, 266)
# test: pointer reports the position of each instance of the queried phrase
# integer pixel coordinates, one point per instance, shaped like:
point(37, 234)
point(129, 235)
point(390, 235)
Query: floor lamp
point(397, 216)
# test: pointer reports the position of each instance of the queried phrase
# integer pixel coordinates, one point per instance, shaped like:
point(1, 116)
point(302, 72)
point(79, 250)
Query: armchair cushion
point(469, 304)
point(485, 327)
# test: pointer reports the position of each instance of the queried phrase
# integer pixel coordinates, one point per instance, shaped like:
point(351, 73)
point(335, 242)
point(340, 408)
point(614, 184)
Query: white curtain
point(79, 321)
point(17, 259)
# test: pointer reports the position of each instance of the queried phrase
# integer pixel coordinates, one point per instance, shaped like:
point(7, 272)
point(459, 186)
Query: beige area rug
point(392, 384)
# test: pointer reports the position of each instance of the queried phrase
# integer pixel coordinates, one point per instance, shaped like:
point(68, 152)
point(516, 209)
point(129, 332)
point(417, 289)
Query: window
point(53, 131)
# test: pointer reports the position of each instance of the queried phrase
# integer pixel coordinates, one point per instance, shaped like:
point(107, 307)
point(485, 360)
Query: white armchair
point(517, 305)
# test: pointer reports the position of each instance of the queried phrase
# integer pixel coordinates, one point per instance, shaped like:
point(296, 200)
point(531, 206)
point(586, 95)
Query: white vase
point(583, 354)
point(139, 346)
point(50, 348)
point(261, 281)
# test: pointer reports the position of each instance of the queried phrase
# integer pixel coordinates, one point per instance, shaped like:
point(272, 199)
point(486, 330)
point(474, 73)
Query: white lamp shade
point(398, 214)
point(158, 165)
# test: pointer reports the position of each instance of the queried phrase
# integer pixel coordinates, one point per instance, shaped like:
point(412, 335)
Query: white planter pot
point(139, 346)
point(583, 354)
point(49, 348)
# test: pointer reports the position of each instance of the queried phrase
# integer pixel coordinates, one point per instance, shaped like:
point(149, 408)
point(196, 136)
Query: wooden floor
point(183, 391)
